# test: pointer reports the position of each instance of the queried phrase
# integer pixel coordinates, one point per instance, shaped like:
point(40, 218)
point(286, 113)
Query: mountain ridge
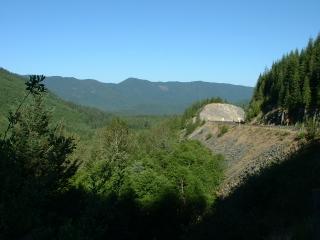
point(137, 79)
point(143, 97)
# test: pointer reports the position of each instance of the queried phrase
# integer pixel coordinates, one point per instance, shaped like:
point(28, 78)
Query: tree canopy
point(291, 84)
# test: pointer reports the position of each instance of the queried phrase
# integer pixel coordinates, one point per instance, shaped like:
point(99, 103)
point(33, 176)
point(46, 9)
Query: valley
point(223, 143)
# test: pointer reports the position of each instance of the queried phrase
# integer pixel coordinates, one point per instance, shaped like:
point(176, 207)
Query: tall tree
point(105, 171)
point(306, 93)
point(295, 94)
point(293, 83)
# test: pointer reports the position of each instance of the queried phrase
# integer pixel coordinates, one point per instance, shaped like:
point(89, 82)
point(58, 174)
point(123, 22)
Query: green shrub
point(253, 110)
point(223, 130)
point(208, 136)
point(301, 135)
point(312, 128)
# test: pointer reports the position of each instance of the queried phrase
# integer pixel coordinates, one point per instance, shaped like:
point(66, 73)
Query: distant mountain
point(137, 96)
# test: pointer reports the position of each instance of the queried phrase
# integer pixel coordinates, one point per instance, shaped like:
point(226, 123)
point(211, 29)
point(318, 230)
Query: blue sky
point(165, 40)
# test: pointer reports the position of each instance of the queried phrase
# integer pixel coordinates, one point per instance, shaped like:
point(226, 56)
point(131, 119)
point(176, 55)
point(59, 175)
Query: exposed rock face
point(221, 112)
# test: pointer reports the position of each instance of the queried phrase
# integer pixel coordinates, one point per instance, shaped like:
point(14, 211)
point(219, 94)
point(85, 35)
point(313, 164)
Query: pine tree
point(295, 93)
point(286, 99)
point(306, 93)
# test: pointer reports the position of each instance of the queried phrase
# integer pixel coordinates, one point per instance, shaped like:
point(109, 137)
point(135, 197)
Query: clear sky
point(159, 40)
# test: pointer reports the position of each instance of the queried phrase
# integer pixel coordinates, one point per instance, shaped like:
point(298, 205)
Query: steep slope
point(136, 96)
point(278, 202)
point(291, 86)
point(246, 148)
point(77, 119)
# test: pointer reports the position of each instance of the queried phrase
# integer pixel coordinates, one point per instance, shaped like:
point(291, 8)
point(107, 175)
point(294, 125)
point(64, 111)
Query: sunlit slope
point(76, 119)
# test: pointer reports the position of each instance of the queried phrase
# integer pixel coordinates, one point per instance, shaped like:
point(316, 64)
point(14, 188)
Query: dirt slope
point(246, 148)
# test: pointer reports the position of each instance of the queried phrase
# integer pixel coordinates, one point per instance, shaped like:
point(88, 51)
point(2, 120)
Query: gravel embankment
point(246, 148)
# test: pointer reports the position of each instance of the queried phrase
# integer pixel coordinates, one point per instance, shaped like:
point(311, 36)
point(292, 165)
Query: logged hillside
point(274, 203)
point(76, 119)
point(246, 148)
point(270, 174)
point(292, 85)
point(136, 96)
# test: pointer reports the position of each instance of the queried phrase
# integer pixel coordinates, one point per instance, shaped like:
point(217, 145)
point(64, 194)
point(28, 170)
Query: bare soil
point(246, 148)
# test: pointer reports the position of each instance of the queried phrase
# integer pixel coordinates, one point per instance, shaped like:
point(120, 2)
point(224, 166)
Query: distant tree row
point(292, 84)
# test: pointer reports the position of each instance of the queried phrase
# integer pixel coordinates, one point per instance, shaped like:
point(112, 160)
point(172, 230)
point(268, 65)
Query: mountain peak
point(132, 80)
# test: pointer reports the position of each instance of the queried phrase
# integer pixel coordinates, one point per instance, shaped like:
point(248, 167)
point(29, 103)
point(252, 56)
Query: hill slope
point(292, 85)
point(275, 203)
point(77, 119)
point(136, 96)
point(246, 148)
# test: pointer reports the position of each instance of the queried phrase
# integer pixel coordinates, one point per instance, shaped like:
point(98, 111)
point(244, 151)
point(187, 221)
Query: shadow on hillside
point(275, 204)
point(82, 215)
point(124, 218)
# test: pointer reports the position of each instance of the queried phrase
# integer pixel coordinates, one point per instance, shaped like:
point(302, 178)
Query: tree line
point(291, 85)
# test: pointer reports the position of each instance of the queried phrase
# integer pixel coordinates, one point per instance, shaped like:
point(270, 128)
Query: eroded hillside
point(246, 148)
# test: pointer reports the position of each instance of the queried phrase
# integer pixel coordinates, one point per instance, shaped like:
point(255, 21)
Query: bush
point(301, 135)
point(312, 128)
point(208, 136)
point(253, 110)
point(223, 130)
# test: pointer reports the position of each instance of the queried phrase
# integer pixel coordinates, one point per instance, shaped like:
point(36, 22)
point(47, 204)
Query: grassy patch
point(208, 136)
point(223, 130)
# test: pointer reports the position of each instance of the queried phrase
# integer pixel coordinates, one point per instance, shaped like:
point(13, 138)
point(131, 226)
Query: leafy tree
point(105, 171)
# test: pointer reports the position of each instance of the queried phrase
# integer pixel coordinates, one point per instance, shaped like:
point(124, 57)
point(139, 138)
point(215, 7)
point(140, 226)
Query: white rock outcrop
point(222, 112)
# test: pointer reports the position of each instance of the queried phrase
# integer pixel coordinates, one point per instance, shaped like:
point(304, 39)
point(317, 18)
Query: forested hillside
point(120, 184)
point(136, 96)
point(77, 119)
point(292, 85)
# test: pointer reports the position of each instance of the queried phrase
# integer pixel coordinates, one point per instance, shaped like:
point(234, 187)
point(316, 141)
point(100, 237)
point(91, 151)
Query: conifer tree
point(295, 95)
point(306, 93)
point(293, 83)
point(35, 167)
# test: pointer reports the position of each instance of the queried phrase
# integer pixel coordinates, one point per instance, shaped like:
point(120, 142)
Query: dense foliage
point(292, 85)
point(146, 184)
point(80, 120)
point(35, 166)
point(77, 119)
